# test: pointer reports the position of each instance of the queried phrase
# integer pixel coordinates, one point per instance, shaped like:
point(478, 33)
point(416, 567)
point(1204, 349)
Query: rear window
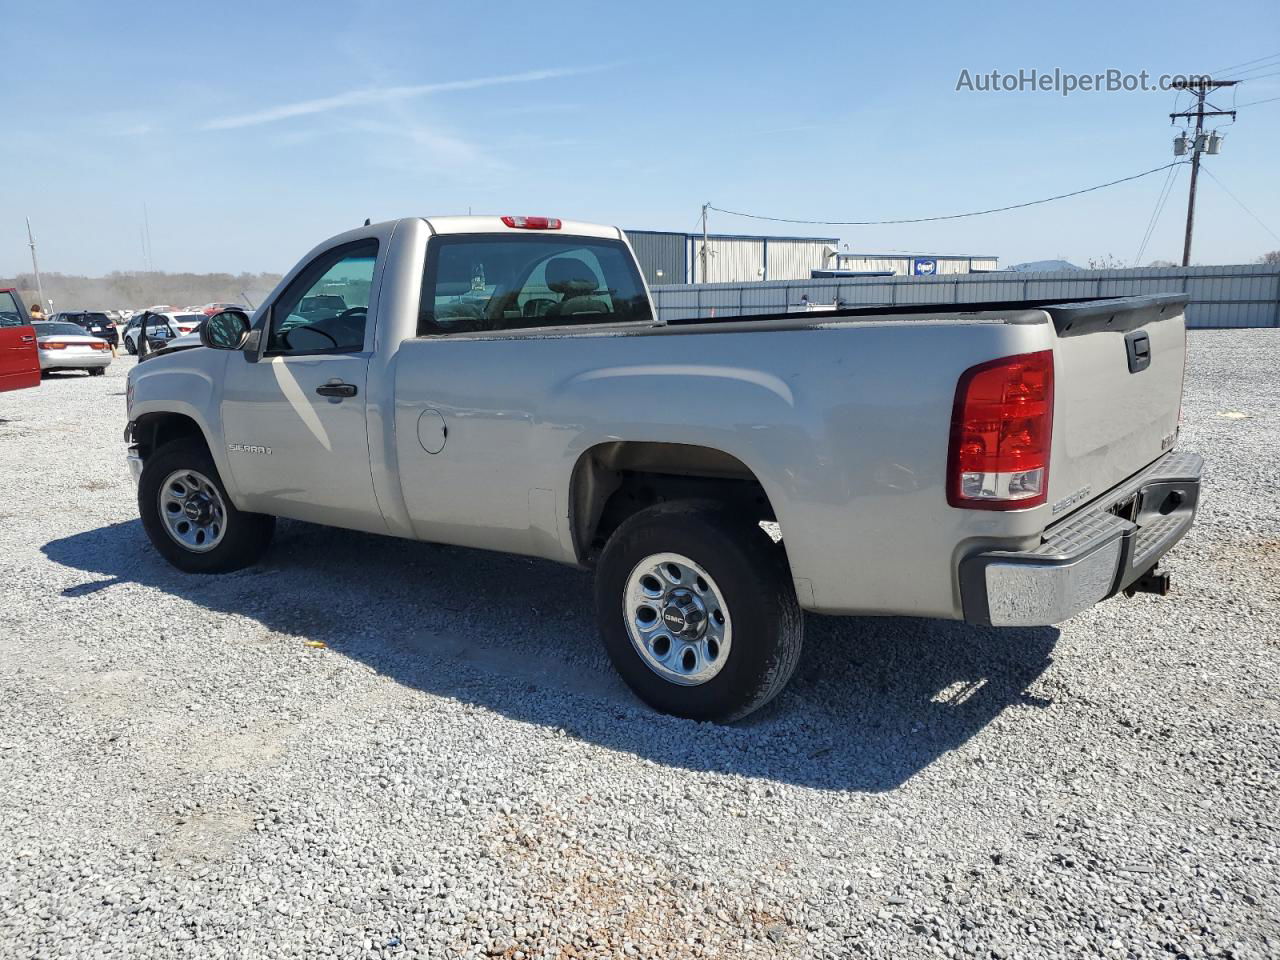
point(58, 330)
point(499, 282)
point(96, 318)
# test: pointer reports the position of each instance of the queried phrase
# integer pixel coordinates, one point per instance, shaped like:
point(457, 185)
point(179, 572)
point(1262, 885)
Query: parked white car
point(161, 329)
point(66, 346)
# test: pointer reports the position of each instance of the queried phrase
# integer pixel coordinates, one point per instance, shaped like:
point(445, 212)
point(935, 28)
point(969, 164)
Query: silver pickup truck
point(503, 383)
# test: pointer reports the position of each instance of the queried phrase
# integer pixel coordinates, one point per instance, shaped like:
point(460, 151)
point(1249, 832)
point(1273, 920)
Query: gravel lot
point(458, 771)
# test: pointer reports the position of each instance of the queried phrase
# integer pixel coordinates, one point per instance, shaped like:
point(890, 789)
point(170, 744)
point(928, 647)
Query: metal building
point(731, 258)
point(914, 264)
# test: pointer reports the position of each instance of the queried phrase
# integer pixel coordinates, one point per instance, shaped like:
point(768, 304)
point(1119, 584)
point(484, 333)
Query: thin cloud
point(373, 95)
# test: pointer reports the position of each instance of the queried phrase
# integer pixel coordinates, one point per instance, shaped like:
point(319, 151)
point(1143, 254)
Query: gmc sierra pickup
point(503, 383)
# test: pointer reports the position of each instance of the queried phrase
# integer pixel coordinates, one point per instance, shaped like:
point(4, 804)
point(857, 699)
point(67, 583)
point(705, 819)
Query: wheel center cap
point(675, 620)
point(684, 614)
point(196, 509)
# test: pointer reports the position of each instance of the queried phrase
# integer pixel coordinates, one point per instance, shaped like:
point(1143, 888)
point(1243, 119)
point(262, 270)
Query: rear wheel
point(97, 371)
point(190, 519)
point(697, 611)
point(129, 347)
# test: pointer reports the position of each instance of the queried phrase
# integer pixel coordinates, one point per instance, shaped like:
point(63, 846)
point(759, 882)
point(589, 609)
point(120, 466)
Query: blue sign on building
point(924, 266)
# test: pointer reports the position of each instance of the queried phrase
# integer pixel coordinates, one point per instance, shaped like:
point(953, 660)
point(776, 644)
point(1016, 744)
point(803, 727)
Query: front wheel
point(697, 611)
point(190, 519)
point(129, 347)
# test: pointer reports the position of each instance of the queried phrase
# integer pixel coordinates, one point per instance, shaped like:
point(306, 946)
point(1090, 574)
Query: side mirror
point(227, 330)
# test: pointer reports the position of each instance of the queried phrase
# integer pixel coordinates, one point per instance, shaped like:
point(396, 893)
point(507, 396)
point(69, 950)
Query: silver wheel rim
point(677, 619)
point(192, 511)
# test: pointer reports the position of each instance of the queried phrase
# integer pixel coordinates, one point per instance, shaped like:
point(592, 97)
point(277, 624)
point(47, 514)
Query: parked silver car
point(65, 346)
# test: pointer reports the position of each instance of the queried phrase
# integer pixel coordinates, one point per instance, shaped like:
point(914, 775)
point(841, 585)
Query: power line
point(952, 216)
point(1241, 203)
point(1254, 103)
point(1156, 213)
point(1270, 56)
point(1261, 76)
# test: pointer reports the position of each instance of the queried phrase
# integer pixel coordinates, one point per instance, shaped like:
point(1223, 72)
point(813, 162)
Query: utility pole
point(31, 242)
point(146, 229)
point(1200, 86)
point(705, 207)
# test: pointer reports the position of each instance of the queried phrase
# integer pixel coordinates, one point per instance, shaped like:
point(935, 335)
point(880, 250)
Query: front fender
point(187, 383)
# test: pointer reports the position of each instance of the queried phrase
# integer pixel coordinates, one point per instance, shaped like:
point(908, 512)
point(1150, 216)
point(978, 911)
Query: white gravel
point(459, 773)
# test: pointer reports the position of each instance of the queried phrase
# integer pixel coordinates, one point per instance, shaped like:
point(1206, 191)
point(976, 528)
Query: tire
point(746, 575)
point(97, 371)
point(240, 539)
point(129, 347)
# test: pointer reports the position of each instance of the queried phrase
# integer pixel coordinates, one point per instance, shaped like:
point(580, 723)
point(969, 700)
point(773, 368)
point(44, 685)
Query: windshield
point(506, 283)
point(10, 313)
point(46, 329)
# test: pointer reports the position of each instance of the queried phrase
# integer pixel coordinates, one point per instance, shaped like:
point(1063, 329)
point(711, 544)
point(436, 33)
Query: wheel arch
point(152, 429)
point(615, 479)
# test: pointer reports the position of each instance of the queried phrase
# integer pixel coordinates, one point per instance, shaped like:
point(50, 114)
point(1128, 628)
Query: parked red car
point(19, 361)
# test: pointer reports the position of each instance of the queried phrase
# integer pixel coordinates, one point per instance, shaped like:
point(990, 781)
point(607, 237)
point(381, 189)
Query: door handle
point(27, 339)
point(336, 389)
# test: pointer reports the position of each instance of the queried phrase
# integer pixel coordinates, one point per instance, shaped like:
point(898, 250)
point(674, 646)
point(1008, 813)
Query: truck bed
point(845, 427)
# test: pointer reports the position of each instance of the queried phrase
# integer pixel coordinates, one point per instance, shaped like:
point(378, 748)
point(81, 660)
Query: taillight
point(100, 345)
point(1001, 427)
point(52, 345)
point(532, 223)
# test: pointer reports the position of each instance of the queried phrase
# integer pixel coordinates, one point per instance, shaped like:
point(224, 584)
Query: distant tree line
point(121, 290)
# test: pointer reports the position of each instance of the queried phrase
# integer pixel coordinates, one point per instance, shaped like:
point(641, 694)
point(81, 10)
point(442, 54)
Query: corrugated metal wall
point(730, 260)
point(859, 264)
point(734, 258)
point(796, 259)
point(661, 251)
point(1247, 295)
point(902, 265)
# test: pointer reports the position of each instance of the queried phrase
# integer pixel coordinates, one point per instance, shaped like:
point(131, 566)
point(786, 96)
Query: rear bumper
point(60, 360)
point(1089, 556)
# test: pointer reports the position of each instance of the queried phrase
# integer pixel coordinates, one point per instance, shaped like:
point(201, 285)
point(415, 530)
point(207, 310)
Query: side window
point(326, 308)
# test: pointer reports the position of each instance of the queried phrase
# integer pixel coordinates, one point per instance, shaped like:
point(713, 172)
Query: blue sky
point(254, 130)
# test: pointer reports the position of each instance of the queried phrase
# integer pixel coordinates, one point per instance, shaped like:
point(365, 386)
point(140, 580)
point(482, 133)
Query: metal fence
point(1245, 295)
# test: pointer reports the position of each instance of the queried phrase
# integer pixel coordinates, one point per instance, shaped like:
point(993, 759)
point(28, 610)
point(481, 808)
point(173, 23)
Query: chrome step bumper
point(1089, 556)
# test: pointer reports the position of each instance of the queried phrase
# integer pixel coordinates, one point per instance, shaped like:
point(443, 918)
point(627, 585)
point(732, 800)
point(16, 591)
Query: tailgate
point(1117, 392)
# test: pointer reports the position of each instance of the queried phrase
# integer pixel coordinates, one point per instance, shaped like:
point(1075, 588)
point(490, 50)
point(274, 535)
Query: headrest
point(570, 276)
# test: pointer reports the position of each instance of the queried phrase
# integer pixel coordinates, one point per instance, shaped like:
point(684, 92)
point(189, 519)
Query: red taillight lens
point(52, 345)
point(532, 223)
point(1001, 428)
point(100, 345)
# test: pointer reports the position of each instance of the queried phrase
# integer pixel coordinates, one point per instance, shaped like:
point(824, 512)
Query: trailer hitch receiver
point(1150, 582)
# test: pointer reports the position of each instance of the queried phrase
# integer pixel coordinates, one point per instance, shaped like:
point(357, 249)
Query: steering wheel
point(350, 313)
point(307, 328)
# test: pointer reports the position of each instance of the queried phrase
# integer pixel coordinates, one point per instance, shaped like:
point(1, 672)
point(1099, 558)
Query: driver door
point(294, 421)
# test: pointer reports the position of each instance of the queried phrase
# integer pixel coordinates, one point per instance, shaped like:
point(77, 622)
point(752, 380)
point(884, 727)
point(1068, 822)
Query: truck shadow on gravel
point(873, 702)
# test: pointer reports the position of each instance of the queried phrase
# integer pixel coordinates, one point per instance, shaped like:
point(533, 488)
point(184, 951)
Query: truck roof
point(478, 224)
